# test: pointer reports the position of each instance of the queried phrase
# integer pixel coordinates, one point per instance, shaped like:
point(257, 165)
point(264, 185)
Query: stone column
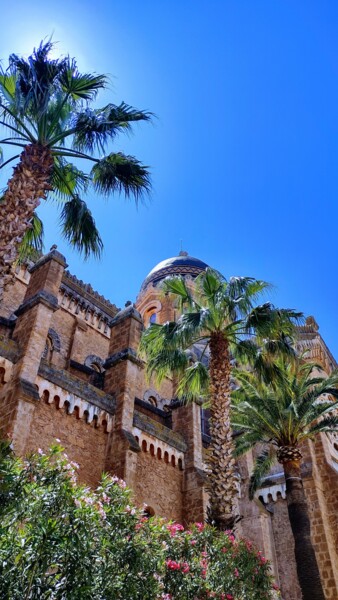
point(187, 421)
point(19, 396)
point(122, 379)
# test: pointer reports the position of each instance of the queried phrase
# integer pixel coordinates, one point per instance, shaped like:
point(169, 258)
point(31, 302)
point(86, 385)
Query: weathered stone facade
point(69, 369)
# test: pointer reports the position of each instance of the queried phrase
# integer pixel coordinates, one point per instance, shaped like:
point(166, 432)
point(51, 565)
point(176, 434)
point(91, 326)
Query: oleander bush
point(60, 540)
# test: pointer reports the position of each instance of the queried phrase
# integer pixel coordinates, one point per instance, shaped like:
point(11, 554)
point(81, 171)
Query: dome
point(183, 264)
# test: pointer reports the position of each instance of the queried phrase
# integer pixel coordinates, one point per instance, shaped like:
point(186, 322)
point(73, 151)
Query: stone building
point(69, 369)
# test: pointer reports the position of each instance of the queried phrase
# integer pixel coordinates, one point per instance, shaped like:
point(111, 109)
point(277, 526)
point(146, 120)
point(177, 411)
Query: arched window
point(152, 400)
point(94, 362)
point(150, 316)
point(48, 351)
point(52, 345)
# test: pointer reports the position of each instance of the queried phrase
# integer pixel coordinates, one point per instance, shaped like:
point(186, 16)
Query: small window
point(150, 316)
point(48, 351)
point(152, 400)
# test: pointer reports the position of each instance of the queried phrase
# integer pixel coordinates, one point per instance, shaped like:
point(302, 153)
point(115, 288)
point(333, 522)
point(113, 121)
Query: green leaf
point(78, 227)
point(121, 173)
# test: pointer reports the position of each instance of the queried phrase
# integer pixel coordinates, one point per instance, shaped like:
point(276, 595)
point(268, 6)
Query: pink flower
point(236, 573)
point(200, 526)
point(229, 597)
point(173, 565)
point(174, 528)
point(185, 567)
point(193, 542)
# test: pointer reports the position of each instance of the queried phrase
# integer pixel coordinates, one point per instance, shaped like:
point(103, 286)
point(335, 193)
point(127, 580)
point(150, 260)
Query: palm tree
point(45, 111)
point(281, 415)
point(219, 318)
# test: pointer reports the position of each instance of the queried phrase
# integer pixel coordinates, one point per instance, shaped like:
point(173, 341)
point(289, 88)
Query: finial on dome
point(183, 253)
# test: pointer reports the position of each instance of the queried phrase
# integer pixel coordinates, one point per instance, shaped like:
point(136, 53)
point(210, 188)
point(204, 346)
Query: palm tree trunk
point(28, 185)
point(307, 567)
point(221, 481)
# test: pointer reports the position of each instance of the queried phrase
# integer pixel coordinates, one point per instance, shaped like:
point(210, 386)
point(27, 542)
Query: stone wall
point(84, 443)
point(159, 485)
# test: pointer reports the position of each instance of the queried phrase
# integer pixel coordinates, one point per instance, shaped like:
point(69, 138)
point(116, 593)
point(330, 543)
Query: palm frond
point(263, 464)
point(79, 229)
point(67, 180)
point(31, 246)
point(93, 129)
point(121, 173)
point(166, 363)
point(245, 441)
point(246, 286)
point(7, 85)
point(36, 77)
point(194, 383)
point(80, 86)
point(156, 337)
point(327, 425)
point(245, 351)
point(209, 283)
point(176, 285)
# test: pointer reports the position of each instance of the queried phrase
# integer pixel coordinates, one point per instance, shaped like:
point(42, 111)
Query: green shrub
point(60, 540)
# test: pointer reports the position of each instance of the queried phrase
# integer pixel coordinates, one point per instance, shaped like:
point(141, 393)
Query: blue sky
point(244, 149)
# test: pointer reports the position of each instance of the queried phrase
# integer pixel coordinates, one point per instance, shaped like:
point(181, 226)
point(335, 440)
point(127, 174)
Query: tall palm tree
point(219, 317)
point(296, 407)
point(46, 114)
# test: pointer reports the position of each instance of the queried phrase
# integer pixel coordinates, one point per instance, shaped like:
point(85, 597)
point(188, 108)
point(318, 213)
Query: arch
point(94, 362)
point(159, 453)
point(48, 351)
point(148, 512)
point(45, 396)
point(180, 464)
point(2, 375)
point(152, 400)
point(144, 446)
point(149, 314)
point(54, 336)
point(152, 397)
point(166, 457)
point(173, 460)
point(152, 449)
point(57, 401)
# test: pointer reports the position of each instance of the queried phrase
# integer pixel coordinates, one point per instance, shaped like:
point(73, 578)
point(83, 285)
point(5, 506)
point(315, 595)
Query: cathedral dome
point(183, 264)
